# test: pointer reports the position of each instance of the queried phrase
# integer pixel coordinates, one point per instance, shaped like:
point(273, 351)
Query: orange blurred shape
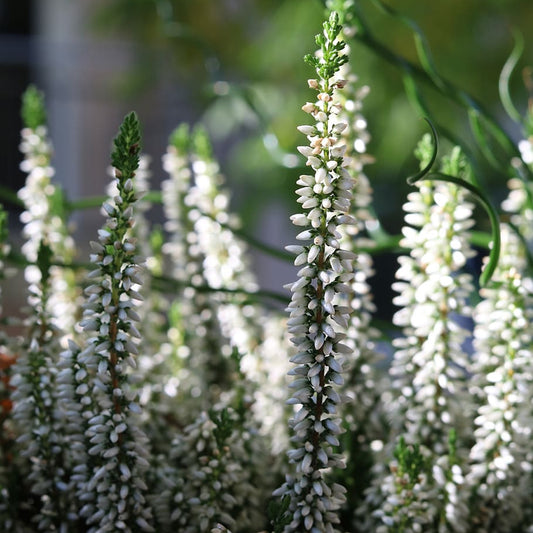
point(6, 360)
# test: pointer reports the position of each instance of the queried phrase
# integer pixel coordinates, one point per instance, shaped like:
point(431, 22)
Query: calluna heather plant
point(155, 388)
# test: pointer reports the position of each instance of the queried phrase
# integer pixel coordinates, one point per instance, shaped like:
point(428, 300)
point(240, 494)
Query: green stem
point(163, 282)
point(505, 75)
point(10, 196)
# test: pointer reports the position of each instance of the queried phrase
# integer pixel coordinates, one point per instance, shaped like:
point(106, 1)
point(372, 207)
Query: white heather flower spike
point(225, 264)
point(206, 252)
point(181, 249)
point(217, 477)
point(502, 369)
point(196, 335)
point(429, 363)
point(428, 368)
point(40, 437)
point(44, 221)
point(366, 385)
point(113, 485)
point(316, 307)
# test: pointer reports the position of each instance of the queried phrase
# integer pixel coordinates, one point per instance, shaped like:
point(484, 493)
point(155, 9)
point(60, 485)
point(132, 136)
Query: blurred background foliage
point(242, 63)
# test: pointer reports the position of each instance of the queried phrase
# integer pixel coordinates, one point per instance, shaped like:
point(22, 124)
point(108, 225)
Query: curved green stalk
point(505, 75)
point(417, 101)
point(476, 192)
point(494, 254)
point(423, 172)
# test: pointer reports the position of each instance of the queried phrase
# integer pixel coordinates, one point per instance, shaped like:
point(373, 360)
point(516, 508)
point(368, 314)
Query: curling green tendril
point(478, 194)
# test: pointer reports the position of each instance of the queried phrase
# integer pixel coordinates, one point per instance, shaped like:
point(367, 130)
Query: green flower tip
point(180, 138)
point(332, 26)
point(201, 144)
point(157, 239)
point(331, 45)
point(343, 8)
point(456, 164)
point(127, 146)
point(33, 111)
point(452, 442)
point(410, 459)
point(223, 426)
point(424, 150)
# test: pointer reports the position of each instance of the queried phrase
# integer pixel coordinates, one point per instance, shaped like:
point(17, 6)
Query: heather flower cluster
point(318, 307)
point(433, 296)
point(34, 405)
point(175, 397)
point(217, 481)
point(428, 369)
point(220, 330)
point(502, 379)
point(44, 218)
point(118, 455)
point(502, 370)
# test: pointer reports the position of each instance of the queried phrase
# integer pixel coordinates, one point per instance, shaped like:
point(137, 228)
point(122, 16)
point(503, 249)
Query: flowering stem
point(109, 312)
point(318, 295)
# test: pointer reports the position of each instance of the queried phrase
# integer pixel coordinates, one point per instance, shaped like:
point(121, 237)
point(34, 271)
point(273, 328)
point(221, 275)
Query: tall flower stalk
point(198, 339)
point(316, 310)
point(220, 331)
point(502, 370)
point(428, 369)
point(429, 364)
point(362, 411)
point(40, 439)
point(114, 488)
point(44, 217)
point(52, 303)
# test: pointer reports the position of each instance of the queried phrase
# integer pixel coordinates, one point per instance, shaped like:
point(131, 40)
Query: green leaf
point(278, 514)
point(224, 426)
point(157, 240)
